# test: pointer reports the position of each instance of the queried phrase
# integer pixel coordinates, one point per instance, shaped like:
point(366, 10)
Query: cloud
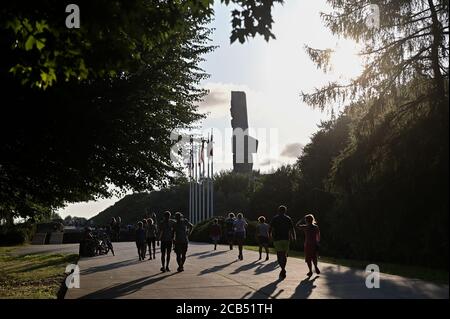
point(218, 101)
point(292, 150)
point(268, 161)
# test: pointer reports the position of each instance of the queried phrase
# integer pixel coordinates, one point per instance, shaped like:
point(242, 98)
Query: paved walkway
point(218, 274)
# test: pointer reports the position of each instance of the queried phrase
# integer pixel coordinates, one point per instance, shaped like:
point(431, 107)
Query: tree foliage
point(89, 110)
point(388, 185)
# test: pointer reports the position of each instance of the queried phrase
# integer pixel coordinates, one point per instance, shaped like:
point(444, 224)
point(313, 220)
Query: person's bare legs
point(163, 259)
point(308, 262)
point(282, 261)
point(179, 261)
point(267, 252)
point(260, 252)
point(240, 245)
point(154, 248)
point(183, 259)
point(315, 264)
point(138, 250)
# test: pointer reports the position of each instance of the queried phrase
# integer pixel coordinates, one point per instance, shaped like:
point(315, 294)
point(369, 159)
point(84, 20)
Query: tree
point(271, 191)
point(390, 182)
point(91, 108)
point(111, 37)
point(312, 170)
point(410, 46)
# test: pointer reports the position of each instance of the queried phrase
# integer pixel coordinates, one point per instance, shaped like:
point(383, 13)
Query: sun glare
point(346, 63)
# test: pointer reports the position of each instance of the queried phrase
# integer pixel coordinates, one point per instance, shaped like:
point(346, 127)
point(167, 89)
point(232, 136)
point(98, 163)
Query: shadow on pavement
point(267, 291)
point(263, 268)
point(106, 267)
point(305, 288)
point(212, 254)
point(245, 267)
point(125, 288)
point(351, 283)
point(216, 268)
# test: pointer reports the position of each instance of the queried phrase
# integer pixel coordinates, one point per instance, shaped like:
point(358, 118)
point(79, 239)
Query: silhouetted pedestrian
point(140, 241)
point(262, 235)
point(182, 229)
point(151, 237)
point(166, 233)
point(229, 229)
point(312, 240)
point(215, 232)
point(240, 227)
point(282, 231)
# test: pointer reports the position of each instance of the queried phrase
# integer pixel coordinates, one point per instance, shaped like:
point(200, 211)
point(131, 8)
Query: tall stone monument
point(243, 145)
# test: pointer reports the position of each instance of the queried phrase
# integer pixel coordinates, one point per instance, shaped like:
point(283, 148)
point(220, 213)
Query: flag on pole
point(202, 151)
point(210, 147)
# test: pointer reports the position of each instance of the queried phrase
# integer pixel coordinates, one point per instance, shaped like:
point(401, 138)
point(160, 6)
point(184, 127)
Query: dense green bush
point(16, 234)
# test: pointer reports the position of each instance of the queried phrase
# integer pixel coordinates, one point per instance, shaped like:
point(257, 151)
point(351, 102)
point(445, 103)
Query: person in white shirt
point(240, 226)
point(262, 235)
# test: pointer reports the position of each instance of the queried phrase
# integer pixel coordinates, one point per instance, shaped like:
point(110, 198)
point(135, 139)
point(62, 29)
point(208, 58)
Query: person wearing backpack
point(166, 233)
point(182, 230)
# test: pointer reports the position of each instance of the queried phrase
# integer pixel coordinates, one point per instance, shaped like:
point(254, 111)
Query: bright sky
point(272, 74)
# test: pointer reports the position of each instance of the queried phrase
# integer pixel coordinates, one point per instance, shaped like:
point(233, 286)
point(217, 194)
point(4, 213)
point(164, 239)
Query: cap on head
point(282, 209)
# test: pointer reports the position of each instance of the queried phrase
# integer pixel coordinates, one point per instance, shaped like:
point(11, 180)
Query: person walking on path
point(282, 231)
point(155, 221)
point(262, 236)
point(117, 227)
point(151, 238)
point(140, 241)
point(229, 229)
point(166, 237)
point(145, 227)
point(112, 227)
point(215, 232)
point(240, 226)
point(183, 229)
point(312, 239)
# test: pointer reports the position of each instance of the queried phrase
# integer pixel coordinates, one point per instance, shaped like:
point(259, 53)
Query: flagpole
point(195, 188)
point(199, 217)
point(208, 209)
point(212, 174)
point(202, 168)
point(190, 187)
point(191, 184)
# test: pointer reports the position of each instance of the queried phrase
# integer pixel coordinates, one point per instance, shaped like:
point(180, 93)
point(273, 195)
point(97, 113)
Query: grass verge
point(434, 275)
point(34, 276)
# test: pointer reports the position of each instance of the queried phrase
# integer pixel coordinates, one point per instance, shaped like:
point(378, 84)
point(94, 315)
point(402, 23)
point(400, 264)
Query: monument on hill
point(243, 144)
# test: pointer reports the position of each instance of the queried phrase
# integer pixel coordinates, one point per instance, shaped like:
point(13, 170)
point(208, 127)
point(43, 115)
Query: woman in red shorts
point(312, 239)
